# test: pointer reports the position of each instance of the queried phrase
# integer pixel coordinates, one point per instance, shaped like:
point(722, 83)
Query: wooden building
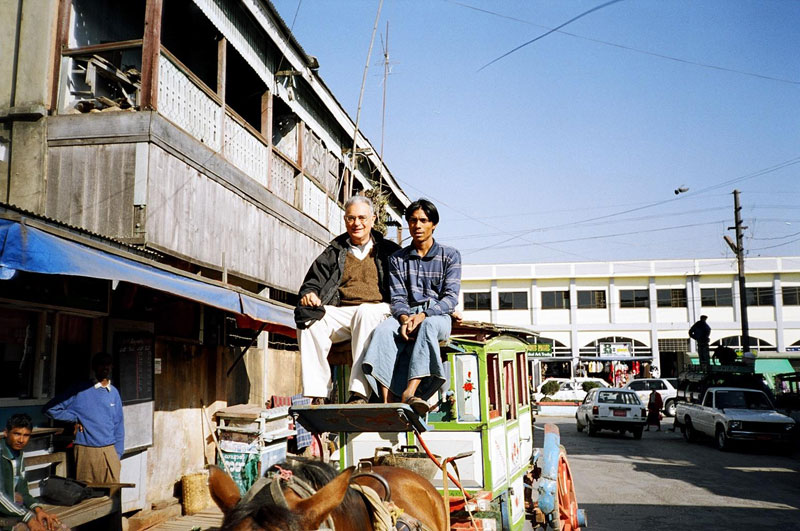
point(187, 163)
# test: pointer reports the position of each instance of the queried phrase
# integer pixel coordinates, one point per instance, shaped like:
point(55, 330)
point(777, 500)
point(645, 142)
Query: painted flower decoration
point(468, 386)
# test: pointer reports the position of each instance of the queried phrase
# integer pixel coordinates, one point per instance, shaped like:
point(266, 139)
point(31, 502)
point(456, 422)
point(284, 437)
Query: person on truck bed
point(701, 332)
point(403, 356)
point(344, 296)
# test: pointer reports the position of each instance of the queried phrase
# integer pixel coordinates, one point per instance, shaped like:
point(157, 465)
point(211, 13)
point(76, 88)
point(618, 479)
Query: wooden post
point(151, 51)
point(61, 41)
point(266, 131)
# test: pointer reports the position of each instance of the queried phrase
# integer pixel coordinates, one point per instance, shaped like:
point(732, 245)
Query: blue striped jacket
point(433, 280)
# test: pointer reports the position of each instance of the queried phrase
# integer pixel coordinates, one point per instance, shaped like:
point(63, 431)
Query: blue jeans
point(390, 361)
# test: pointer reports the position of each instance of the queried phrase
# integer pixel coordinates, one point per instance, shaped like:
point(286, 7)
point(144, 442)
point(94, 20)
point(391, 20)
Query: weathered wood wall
point(92, 187)
point(195, 216)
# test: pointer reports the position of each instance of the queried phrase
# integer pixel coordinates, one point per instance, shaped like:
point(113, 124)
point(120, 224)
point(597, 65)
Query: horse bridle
point(302, 488)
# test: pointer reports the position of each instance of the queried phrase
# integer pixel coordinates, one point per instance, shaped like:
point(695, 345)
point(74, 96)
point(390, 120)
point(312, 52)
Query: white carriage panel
point(514, 449)
point(245, 151)
point(362, 445)
point(183, 103)
point(467, 388)
point(314, 201)
point(526, 436)
point(498, 455)
point(516, 498)
point(448, 444)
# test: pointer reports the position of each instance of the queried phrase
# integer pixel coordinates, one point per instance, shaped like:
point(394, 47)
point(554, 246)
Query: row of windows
point(630, 298)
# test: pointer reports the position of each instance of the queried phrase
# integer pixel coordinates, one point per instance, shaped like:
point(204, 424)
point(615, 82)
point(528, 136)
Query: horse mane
point(268, 514)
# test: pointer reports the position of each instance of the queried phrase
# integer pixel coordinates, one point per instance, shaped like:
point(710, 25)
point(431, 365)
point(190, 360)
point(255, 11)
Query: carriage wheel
point(567, 502)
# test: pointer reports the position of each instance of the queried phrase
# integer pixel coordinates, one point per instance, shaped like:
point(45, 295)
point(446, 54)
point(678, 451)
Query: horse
point(334, 500)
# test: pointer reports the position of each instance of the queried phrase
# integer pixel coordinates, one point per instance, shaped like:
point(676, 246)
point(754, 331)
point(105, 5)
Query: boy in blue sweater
point(96, 409)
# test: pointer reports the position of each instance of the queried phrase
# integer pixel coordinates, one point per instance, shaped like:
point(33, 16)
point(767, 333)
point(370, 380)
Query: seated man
point(344, 296)
point(15, 500)
point(403, 356)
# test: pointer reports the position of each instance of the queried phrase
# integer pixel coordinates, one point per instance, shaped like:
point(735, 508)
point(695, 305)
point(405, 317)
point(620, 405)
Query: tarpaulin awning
point(33, 250)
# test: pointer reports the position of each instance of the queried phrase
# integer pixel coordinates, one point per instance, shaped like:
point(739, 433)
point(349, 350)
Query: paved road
point(663, 482)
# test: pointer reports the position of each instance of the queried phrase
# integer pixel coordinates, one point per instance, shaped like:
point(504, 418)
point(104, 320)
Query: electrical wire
point(545, 34)
point(773, 246)
point(776, 238)
point(632, 49)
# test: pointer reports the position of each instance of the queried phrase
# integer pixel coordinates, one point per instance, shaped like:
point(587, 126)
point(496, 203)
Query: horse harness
point(386, 516)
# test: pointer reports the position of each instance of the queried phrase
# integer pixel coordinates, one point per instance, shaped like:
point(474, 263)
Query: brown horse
point(346, 507)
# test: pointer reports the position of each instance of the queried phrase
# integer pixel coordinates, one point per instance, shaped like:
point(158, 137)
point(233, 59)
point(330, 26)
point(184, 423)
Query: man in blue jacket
point(96, 409)
point(15, 500)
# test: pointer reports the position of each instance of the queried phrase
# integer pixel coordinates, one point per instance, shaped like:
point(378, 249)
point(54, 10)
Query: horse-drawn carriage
point(479, 434)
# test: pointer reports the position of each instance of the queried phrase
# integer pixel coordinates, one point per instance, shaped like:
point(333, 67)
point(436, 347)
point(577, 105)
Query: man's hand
point(310, 299)
point(78, 428)
point(34, 525)
point(409, 327)
point(47, 521)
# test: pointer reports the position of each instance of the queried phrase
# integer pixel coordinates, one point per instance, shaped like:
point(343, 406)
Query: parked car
point(666, 387)
point(570, 389)
point(734, 414)
point(606, 408)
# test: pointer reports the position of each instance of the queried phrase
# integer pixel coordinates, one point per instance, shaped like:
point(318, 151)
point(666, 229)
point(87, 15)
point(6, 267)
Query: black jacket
point(325, 273)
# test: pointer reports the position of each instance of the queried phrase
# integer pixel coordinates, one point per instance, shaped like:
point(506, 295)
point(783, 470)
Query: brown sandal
point(419, 406)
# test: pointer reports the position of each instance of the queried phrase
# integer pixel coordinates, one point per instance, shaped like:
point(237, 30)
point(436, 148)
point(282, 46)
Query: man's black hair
point(19, 420)
point(102, 357)
point(427, 207)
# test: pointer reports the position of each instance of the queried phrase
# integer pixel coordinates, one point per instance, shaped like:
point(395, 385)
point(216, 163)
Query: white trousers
point(340, 323)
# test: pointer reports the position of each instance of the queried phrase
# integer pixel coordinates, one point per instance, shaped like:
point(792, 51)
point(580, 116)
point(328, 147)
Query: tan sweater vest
point(359, 282)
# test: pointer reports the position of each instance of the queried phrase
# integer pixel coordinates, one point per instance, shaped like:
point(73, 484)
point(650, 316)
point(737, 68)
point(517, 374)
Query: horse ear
point(223, 490)
point(315, 510)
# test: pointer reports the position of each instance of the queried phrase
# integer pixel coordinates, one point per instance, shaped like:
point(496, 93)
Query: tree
point(551, 388)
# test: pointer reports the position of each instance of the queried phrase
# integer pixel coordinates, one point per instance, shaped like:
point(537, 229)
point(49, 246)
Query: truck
point(730, 414)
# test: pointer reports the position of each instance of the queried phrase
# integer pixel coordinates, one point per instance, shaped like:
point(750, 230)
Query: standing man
point(701, 332)
point(344, 296)
point(15, 500)
point(403, 357)
point(96, 409)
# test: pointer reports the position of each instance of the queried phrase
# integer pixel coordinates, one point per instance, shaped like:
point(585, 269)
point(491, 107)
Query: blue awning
point(33, 250)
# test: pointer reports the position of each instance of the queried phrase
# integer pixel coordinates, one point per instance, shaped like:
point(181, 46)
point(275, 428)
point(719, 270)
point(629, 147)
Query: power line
point(777, 237)
point(637, 50)
point(545, 34)
point(773, 246)
point(596, 237)
point(757, 173)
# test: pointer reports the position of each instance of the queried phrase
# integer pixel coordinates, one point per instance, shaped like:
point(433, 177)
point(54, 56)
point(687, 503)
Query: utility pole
point(738, 249)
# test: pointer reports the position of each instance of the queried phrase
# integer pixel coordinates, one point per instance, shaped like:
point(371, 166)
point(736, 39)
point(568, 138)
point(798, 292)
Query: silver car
point(666, 387)
point(611, 409)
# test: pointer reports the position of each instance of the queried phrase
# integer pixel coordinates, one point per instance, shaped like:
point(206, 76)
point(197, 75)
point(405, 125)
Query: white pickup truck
point(733, 414)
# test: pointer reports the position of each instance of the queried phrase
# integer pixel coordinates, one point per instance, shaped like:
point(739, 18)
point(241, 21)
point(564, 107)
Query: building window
point(671, 298)
point(716, 297)
point(477, 300)
point(513, 300)
point(760, 296)
point(592, 299)
point(555, 300)
point(791, 295)
point(634, 298)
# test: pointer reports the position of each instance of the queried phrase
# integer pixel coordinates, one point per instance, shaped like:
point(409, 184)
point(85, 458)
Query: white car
point(606, 408)
point(666, 387)
point(570, 389)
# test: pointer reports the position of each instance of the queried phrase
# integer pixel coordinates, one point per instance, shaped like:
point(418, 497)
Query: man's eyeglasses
point(352, 219)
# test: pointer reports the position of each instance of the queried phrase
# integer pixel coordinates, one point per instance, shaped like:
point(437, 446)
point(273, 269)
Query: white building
point(639, 310)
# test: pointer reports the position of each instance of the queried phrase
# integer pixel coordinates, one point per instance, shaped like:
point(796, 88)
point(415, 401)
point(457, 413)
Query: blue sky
point(570, 148)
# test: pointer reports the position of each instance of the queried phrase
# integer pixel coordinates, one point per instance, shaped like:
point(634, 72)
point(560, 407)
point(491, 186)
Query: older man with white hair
point(344, 296)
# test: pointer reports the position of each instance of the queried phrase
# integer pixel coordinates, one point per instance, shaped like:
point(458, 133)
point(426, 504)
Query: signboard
point(134, 365)
point(608, 350)
point(539, 350)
